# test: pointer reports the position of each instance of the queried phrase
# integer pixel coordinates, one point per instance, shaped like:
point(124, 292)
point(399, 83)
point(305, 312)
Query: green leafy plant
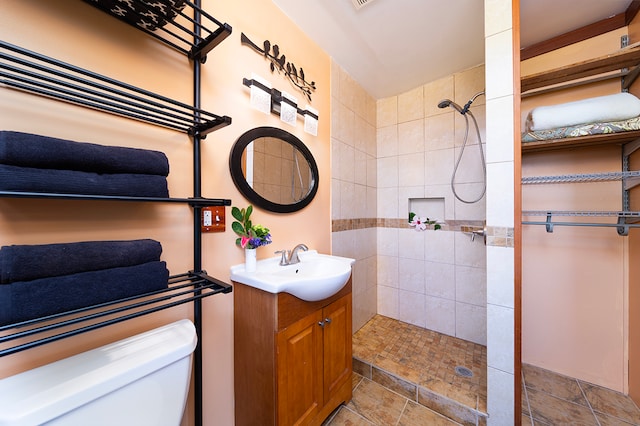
point(250, 236)
point(421, 223)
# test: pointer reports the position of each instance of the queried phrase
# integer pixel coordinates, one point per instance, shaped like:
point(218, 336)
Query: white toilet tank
point(141, 380)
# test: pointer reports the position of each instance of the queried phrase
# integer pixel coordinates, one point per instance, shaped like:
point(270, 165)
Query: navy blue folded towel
point(30, 262)
point(25, 300)
point(26, 179)
point(43, 152)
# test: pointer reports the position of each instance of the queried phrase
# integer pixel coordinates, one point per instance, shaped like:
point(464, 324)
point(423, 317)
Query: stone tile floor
point(405, 375)
point(549, 398)
point(402, 376)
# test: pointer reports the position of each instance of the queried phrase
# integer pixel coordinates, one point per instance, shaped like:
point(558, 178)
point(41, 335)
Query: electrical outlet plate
point(212, 219)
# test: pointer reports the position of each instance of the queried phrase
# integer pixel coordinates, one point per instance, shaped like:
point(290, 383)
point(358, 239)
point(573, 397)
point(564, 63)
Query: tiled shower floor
point(403, 376)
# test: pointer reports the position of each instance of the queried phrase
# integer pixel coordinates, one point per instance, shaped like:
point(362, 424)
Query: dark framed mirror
point(274, 170)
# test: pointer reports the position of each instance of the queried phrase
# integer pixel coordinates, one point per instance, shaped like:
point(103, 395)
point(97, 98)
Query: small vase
point(250, 260)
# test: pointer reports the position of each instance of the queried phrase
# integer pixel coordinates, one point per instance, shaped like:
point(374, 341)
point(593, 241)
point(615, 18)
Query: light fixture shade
point(311, 122)
point(289, 109)
point(260, 99)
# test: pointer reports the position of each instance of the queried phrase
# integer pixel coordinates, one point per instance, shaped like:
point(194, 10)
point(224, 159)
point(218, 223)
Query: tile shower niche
point(432, 208)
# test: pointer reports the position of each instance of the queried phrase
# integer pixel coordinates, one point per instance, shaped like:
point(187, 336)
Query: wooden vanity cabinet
point(292, 358)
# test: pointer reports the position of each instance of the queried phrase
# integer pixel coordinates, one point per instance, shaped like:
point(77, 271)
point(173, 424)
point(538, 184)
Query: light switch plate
point(213, 219)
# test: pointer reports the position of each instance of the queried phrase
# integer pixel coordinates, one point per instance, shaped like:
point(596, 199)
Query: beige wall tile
point(387, 141)
point(440, 315)
point(411, 275)
point(436, 91)
point(471, 285)
point(387, 301)
point(411, 105)
point(411, 307)
point(440, 280)
point(411, 243)
point(499, 65)
point(439, 131)
point(411, 172)
point(387, 111)
point(388, 172)
point(411, 137)
point(468, 83)
point(471, 323)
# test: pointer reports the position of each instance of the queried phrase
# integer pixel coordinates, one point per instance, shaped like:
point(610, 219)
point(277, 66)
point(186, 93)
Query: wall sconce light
point(267, 99)
point(311, 121)
point(260, 94)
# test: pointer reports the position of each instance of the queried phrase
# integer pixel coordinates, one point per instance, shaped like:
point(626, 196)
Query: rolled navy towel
point(44, 152)
point(27, 179)
point(30, 262)
point(25, 300)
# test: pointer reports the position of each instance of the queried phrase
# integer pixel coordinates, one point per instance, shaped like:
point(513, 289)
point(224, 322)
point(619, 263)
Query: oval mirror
point(274, 170)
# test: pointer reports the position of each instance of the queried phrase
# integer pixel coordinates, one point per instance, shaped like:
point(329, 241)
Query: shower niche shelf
point(428, 207)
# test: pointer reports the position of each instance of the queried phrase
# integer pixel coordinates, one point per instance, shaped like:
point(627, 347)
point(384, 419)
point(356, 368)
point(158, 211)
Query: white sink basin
point(316, 277)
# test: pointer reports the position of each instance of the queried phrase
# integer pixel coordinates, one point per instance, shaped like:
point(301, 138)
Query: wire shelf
point(625, 219)
point(579, 178)
point(629, 214)
point(183, 288)
point(193, 32)
point(38, 74)
point(195, 201)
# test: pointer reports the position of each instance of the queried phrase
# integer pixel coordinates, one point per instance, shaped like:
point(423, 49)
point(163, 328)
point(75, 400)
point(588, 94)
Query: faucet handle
point(284, 257)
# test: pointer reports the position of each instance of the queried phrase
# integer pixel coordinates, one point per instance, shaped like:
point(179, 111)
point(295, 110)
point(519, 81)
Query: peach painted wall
point(75, 32)
point(634, 252)
point(574, 280)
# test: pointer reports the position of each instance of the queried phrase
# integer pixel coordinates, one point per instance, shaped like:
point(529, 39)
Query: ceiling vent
point(359, 4)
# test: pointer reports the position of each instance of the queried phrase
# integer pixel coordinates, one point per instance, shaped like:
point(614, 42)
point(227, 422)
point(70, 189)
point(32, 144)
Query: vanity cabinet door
point(300, 371)
point(337, 345)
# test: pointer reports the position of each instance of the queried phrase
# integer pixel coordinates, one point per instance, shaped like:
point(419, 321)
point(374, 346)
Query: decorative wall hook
point(279, 63)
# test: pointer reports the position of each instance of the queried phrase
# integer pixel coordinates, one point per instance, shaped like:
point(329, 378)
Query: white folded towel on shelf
point(620, 106)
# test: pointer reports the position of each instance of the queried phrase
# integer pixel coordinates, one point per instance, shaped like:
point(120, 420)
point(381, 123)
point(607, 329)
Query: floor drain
point(463, 371)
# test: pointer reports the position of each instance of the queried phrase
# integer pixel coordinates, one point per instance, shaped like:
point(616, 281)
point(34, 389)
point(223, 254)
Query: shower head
point(449, 103)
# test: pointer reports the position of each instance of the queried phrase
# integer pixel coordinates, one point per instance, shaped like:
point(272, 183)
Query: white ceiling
point(391, 46)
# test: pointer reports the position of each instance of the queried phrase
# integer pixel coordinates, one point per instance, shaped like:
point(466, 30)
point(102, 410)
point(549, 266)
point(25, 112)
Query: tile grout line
point(359, 415)
point(588, 403)
point(406, 402)
point(526, 396)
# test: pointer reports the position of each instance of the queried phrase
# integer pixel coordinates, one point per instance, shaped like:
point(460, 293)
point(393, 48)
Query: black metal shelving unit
point(34, 73)
point(193, 32)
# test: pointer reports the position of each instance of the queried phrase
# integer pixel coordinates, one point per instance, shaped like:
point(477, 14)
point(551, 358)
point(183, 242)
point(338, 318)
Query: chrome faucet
point(291, 257)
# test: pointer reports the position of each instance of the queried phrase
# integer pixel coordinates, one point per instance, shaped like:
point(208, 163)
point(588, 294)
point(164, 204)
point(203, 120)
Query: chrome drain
point(463, 371)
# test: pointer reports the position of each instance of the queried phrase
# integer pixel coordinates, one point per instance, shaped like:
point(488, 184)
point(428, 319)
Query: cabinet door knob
point(327, 320)
point(321, 323)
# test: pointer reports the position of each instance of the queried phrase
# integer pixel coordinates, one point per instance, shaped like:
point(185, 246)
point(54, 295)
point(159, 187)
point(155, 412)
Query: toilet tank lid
point(46, 392)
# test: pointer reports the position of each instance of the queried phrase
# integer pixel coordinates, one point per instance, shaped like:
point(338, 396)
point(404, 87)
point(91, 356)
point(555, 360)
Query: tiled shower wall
point(433, 279)
point(385, 153)
point(353, 192)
